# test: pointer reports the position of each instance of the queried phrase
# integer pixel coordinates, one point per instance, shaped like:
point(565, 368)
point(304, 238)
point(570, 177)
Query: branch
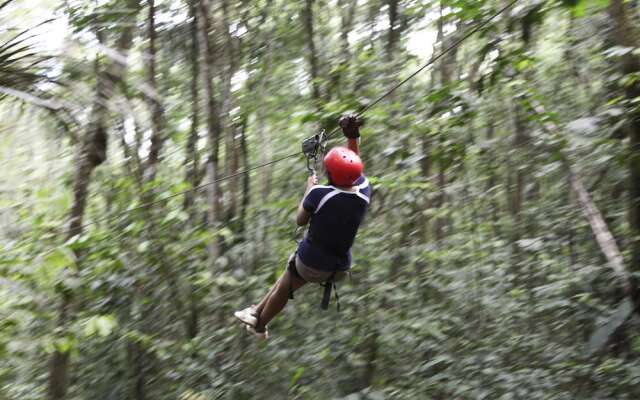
point(604, 237)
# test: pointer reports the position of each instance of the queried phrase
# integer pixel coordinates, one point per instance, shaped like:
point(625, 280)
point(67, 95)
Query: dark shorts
point(315, 275)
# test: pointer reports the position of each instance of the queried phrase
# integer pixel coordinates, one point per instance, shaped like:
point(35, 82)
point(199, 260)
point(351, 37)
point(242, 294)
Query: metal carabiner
point(311, 147)
point(311, 168)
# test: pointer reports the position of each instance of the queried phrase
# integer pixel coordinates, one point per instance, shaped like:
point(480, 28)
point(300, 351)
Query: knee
point(290, 281)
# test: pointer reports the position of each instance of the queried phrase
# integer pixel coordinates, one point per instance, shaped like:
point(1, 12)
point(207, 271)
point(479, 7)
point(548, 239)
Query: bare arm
point(303, 216)
point(354, 145)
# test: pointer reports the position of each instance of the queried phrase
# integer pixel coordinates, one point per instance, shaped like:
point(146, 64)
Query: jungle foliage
point(137, 211)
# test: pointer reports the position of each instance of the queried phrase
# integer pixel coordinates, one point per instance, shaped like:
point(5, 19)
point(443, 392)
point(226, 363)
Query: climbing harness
point(313, 148)
point(326, 296)
point(328, 284)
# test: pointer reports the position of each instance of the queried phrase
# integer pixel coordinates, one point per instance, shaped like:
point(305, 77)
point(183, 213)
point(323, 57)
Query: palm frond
point(21, 65)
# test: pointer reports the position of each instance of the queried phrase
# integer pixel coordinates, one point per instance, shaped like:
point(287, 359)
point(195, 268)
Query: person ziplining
point(334, 213)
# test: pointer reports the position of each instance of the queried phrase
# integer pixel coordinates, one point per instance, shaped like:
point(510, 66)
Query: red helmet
point(343, 166)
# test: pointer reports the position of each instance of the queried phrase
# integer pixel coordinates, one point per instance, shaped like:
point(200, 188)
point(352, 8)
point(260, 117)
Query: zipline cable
point(431, 62)
point(192, 190)
point(116, 215)
point(329, 136)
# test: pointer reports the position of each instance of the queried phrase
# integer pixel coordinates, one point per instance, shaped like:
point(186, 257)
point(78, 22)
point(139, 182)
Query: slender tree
point(312, 53)
point(625, 34)
point(207, 67)
point(193, 172)
point(153, 97)
point(91, 153)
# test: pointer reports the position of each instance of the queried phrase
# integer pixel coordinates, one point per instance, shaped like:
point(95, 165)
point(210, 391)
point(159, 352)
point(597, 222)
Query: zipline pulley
point(311, 148)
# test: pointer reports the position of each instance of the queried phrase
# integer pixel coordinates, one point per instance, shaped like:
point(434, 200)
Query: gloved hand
point(350, 125)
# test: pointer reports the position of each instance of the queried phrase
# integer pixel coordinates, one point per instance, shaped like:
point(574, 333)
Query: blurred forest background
point(130, 231)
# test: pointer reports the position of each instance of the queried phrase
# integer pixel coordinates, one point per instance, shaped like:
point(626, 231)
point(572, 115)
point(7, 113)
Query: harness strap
point(326, 297)
point(294, 273)
point(335, 291)
point(328, 285)
point(257, 320)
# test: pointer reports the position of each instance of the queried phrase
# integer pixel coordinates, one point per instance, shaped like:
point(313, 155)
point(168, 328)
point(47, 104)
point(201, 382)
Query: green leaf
point(434, 330)
point(177, 215)
point(225, 233)
point(63, 345)
point(60, 258)
point(226, 280)
point(53, 264)
point(584, 7)
point(296, 376)
point(78, 242)
point(101, 325)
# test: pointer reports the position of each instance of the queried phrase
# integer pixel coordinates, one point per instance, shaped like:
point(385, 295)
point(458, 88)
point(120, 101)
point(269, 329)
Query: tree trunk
point(520, 140)
point(494, 204)
point(213, 126)
point(192, 160)
point(625, 34)
point(266, 153)
point(312, 55)
point(231, 153)
point(92, 152)
point(601, 231)
point(439, 203)
point(573, 61)
point(516, 188)
point(144, 360)
point(153, 99)
point(246, 182)
point(393, 35)
point(347, 17)
point(446, 65)
point(425, 172)
point(59, 361)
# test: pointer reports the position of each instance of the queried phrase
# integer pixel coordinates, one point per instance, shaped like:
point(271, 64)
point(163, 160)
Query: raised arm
point(354, 145)
point(350, 125)
point(303, 216)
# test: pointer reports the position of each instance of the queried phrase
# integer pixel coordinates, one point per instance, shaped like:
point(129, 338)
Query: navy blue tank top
point(336, 216)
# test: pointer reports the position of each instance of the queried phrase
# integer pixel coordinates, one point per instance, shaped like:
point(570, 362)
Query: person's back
point(336, 215)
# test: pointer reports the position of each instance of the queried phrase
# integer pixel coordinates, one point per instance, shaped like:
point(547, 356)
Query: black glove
point(350, 125)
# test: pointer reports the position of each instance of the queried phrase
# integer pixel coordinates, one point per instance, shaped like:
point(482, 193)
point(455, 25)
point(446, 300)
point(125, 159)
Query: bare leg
point(264, 300)
point(277, 298)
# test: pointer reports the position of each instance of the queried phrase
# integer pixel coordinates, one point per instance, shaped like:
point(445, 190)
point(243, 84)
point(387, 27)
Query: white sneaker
point(247, 316)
